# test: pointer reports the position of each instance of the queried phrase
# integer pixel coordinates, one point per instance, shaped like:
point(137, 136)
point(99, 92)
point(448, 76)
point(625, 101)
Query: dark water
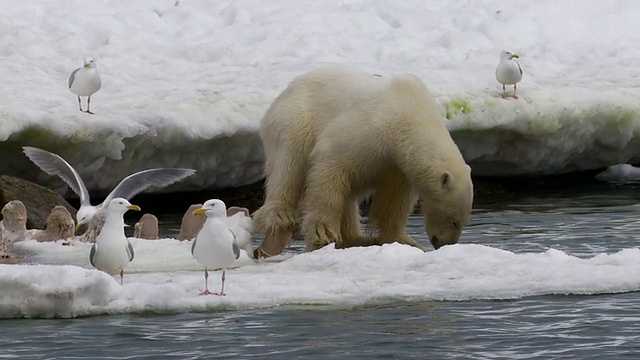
point(581, 222)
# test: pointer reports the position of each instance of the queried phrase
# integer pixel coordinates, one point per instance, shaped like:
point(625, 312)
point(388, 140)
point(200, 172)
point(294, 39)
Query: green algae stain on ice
point(456, 108)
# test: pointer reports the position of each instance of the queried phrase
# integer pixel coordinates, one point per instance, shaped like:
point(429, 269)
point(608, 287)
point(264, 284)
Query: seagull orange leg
point(80, 104)
point(121, 277)
point(514, 92)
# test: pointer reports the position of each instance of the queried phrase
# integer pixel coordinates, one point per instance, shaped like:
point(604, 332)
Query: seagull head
point(117, 205)
point(508, 55)
point(212, 208)
point(121, 205)
point(84, 215)
point(89, 62)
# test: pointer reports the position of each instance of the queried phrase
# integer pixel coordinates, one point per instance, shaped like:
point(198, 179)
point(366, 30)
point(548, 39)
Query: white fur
point(336, 136)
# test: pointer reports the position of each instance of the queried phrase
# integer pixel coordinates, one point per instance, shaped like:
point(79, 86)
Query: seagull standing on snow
point(508, 72)
point(85, 81)
point(215, 246)
point(112, 252)
point(133, 184)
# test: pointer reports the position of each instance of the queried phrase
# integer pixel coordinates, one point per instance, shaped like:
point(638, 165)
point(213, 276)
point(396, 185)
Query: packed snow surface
point(185, 83)
point(164, 278)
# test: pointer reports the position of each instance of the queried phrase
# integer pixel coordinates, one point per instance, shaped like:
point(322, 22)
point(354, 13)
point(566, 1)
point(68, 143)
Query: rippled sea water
point(581, 222)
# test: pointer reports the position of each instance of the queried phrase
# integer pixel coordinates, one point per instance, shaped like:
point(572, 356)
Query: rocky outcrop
point(13, 226)
point(146, 227)
point(60, 226)
point(191, 223)
point(38, 200)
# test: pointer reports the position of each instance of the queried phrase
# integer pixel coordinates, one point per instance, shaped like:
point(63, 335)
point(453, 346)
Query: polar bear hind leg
point(351, 228)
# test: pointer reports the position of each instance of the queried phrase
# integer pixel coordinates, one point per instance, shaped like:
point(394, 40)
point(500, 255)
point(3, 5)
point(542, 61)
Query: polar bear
point(335, 137)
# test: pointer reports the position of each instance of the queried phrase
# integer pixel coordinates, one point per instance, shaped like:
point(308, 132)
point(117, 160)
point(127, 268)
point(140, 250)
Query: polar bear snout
point(439, 242)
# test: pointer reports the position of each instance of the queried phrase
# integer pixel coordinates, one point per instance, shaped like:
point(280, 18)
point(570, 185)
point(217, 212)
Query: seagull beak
point(199, 211)
point(515, 56)
point(86, 65)
point(134, 207)
point(78, 227)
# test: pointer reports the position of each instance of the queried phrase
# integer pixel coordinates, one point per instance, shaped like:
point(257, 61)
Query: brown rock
point(38, 200)
point(146, 228)
point(7, 258)
point(13, 229)
point(191, 223)
point(60, 225)
point(13, 226)
point(14, 216)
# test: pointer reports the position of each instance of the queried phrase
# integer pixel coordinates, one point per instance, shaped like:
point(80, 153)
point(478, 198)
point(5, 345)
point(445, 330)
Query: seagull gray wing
point(193, 244)
point(130, 251)
point(53, 164)
point(140, 181)
point(236, 250)
point(92, 254)
point(72, 77)
point(519, 68)
point(235, 246)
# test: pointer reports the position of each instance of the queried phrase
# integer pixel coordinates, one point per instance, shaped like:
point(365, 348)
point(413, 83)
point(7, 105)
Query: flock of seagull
point(216, 245)
point(86, 81)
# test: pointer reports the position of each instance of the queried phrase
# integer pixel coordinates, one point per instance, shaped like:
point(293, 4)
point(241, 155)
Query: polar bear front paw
point(322, 235)
point(271, 218)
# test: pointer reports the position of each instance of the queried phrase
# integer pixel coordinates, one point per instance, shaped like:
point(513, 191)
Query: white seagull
point(85, 81)
point(508, 72)
point(112, 252)
point(133, 184)
point(215, 246)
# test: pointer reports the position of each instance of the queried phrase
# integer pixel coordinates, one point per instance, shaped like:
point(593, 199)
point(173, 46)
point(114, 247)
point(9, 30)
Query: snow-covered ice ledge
point(185, 83)
point(537, 135)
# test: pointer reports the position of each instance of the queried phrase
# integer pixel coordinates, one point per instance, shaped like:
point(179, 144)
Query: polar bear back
point(329, 103)
point(316, 96)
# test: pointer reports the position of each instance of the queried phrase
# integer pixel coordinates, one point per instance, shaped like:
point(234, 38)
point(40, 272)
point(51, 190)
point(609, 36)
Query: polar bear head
point(448, 207)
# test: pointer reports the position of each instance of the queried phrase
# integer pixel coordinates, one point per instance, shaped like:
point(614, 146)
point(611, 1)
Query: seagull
point(112, 251)
point(215, 246)
point(508, 72)
point(85, 81)
point(130, 186)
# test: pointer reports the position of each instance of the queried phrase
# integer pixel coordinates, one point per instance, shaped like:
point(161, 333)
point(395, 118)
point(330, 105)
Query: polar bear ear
point(445, 180)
